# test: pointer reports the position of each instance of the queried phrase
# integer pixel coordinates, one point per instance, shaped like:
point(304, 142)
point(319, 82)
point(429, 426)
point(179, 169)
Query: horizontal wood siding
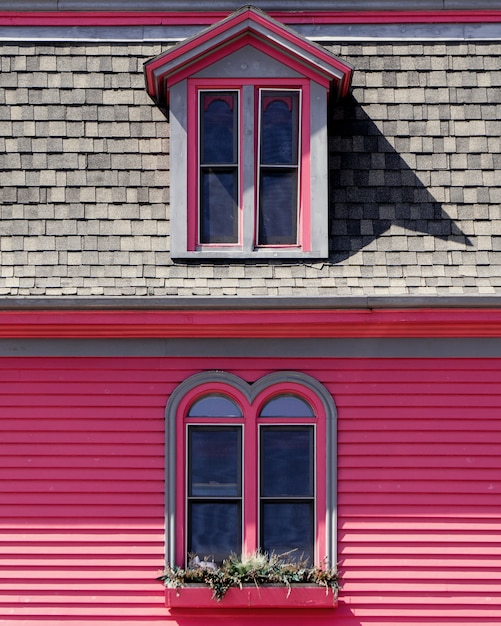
point(82, 489)
point(419, 491)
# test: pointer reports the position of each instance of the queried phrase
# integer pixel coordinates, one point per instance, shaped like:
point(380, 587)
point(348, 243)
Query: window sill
point(241, 255)
point(272, 597)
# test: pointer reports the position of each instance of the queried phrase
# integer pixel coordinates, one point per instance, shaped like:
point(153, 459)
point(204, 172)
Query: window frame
point(196, 201)
point(248, 167)
point(314, 176)
point(189, 499)
point(301, 203)
point(314, 499)
point(251, 399)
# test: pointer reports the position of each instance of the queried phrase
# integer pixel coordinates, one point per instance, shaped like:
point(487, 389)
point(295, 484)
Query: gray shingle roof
point(415, 185)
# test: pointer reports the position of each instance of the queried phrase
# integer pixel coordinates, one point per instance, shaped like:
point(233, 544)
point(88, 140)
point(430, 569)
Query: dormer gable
point(246, 27)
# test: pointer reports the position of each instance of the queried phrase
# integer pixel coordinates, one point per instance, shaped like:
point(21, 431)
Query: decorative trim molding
point(251, 323)
point(228, 6)
point(247, 25)
point(302, 348)
point(229, 303)
point(49, 24)
point(190, 18)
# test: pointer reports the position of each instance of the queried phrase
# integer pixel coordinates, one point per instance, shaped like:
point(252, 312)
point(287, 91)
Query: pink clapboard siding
point(82, 490)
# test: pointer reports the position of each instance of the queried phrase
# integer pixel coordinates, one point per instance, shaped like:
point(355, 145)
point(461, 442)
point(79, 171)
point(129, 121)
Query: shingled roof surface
point(415, 178)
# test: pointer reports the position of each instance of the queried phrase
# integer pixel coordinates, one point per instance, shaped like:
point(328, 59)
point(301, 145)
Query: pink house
point(259, 312)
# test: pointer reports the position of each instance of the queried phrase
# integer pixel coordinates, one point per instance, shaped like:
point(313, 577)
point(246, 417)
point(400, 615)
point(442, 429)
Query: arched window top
point(214, 405)
point(287, 405)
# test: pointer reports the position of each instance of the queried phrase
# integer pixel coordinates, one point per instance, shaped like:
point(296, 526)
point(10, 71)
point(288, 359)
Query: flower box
point(250, 596)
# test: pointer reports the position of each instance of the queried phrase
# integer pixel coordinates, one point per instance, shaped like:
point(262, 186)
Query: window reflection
point(214, 468)
point(287, 489)
point(214, 405)
point(214, 490)
point(215, 529)
point(279, 129)
point(218, 139)
point(287, 405)
point(288, 528)
point(278, 167)
point(286, 461)
point(218, 183)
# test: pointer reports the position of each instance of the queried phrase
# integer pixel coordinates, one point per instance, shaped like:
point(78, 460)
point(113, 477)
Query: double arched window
point(253, 467)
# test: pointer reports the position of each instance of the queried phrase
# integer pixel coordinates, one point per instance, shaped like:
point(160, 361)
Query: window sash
point(254, 403)
point(218, 166)
point(226, 214)
point(217, 479)
point(215, 529)
point(214, 490)
point(278, 167)
point(287, 490)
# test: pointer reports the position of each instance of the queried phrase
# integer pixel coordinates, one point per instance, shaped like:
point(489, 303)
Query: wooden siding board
point(86, 495)
point(81, 488)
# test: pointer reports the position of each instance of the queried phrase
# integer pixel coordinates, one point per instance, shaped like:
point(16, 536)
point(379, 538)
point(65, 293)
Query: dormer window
point(248, 101)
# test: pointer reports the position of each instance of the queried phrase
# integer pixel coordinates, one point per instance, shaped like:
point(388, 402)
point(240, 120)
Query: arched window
point(251, 467)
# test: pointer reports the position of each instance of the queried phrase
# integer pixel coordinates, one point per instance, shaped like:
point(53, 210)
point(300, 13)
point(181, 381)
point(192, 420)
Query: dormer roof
point(247, 26)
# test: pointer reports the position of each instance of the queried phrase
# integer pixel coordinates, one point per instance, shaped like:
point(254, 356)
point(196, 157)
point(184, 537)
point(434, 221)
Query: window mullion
point(251, 482)
point(248, 174)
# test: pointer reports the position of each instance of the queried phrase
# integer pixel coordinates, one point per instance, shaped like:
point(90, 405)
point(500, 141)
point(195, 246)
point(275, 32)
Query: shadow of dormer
point(372, 188)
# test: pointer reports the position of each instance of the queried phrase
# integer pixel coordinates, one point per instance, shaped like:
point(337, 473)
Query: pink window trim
point(304, 234)
point(304, 218)
point(250, 423)
point(193, 180)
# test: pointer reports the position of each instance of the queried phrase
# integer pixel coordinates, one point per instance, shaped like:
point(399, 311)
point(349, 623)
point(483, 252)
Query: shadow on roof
point(372, 188)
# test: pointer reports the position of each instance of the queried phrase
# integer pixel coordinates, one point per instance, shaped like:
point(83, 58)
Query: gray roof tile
point(415, 187)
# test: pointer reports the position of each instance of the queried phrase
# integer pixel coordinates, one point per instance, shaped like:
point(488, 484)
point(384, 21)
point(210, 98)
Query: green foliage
point(257, 569)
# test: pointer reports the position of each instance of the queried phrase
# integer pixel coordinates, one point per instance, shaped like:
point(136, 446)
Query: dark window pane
point(279, 128)
point(214, 406)
point(214, 461)
point(288, 526)
point(278, 207)
point(218, 136)
point(219, 214)
point(214, 529)
point(287, 406)
point(286, 461)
